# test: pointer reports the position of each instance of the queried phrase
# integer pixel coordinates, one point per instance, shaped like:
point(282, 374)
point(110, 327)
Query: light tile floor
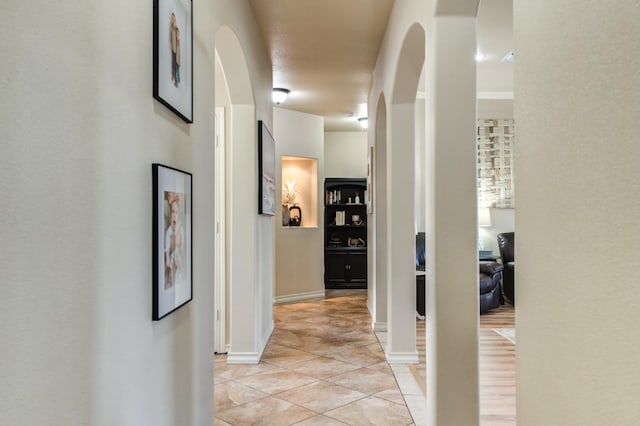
point(322, 366)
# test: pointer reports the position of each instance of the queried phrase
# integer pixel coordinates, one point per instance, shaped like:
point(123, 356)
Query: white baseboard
point(296, 297)
point(379, 326)
point(243, 358)
point(402, 357)
point(250, 357)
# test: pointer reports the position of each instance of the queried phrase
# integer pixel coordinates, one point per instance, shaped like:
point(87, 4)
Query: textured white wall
point(80, 130)
point(299, 250)
point(577, 103)
point(345, 154)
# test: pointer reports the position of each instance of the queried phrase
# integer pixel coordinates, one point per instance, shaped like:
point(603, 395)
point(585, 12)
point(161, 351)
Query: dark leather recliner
point(490, 290)
point(489, 283)
point(506, 244)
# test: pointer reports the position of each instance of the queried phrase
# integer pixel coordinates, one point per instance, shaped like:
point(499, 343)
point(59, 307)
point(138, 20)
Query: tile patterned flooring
point(324, 366)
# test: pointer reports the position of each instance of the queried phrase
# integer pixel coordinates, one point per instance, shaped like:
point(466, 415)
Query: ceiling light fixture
point(279, 95)
point(364, 122)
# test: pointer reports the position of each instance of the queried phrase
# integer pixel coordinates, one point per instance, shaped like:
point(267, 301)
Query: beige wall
point(299, 250)
point(576, 115)
point(80, 131)
point(345, 154)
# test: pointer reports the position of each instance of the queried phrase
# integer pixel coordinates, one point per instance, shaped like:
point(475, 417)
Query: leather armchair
point(506, 244)
point(490, 290)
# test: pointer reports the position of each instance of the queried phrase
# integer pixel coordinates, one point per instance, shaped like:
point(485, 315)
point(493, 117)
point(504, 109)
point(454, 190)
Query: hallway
point(324, 366)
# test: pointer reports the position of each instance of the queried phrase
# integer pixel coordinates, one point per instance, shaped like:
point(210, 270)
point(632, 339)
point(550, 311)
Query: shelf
point(347, 226)
point(346, 248)
point(346, 205)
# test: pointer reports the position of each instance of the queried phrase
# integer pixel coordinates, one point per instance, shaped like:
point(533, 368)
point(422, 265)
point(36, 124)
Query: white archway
point(241, 206)
point(400, 212)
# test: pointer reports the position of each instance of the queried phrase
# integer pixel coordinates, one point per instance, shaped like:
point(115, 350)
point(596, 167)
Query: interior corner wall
point(299, 250)
point(80, 131)
point(578, 185)
point(345, 154)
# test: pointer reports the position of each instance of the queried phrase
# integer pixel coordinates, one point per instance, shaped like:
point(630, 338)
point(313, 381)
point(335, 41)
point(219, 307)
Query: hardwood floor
point(497, 366)
point(497, 369)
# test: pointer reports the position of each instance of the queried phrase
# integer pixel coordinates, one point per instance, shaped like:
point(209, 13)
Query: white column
point(452, 281)
point(401, 278)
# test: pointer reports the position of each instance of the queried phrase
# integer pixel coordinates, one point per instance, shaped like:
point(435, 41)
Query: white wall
point(80, 131)
point(420, 190)
point(299, 250)
point(495, 108)
point(345, 154)
point(576, 114)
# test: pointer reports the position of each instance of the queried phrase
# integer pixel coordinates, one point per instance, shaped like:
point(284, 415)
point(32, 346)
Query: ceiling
point(325, 51)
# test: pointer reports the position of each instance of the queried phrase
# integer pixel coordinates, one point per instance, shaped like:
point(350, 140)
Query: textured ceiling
point(324, 51)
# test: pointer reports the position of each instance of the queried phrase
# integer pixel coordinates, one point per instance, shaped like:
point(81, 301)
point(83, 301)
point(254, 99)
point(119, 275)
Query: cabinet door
point(357, 269)
point(336, 267)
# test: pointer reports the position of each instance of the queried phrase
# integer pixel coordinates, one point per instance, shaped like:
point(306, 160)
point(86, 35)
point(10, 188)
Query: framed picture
point(369, 196)
point(266, 171)
point(173, 56)
point(172, 240)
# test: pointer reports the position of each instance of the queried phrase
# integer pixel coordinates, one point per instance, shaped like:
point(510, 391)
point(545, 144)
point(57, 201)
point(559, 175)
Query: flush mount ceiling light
point(364, 122)
point(279, 95)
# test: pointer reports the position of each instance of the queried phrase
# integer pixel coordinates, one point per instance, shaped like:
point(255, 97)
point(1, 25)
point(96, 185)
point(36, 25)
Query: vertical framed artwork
point(369, 198)
point(266, 171)
point(173, 56)
point(172, 240)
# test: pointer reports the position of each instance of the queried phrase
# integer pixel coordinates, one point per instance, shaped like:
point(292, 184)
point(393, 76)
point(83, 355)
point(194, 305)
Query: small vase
point(285, 215)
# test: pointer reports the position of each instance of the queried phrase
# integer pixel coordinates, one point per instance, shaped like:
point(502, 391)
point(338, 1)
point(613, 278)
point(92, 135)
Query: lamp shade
point(279, 95)
point(484, 216)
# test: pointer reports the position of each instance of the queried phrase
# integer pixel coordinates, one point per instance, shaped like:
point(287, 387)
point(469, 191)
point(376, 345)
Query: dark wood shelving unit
point(345, 242)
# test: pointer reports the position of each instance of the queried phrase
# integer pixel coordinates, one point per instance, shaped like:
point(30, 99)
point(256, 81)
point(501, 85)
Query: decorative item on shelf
point(289, 194)
point(357, 198)
point(357, 221)
point(335, 241)
point(295, 219)
point(355, 242)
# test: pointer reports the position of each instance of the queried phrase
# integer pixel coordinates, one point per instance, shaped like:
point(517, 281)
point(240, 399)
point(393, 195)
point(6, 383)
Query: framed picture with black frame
point(172, 240)
point(266, 171)
point(173, 56)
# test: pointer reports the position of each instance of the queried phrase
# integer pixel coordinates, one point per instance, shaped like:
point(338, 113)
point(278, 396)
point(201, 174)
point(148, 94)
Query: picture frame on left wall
point(172, 240)
point(266, 171)
point(173, 56)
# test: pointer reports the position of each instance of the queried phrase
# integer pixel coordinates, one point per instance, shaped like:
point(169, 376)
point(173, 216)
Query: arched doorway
point(235, 207)
point(400, 212)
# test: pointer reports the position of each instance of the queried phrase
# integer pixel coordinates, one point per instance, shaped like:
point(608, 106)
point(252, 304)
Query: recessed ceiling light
point(508, 57)
point(364, 122)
